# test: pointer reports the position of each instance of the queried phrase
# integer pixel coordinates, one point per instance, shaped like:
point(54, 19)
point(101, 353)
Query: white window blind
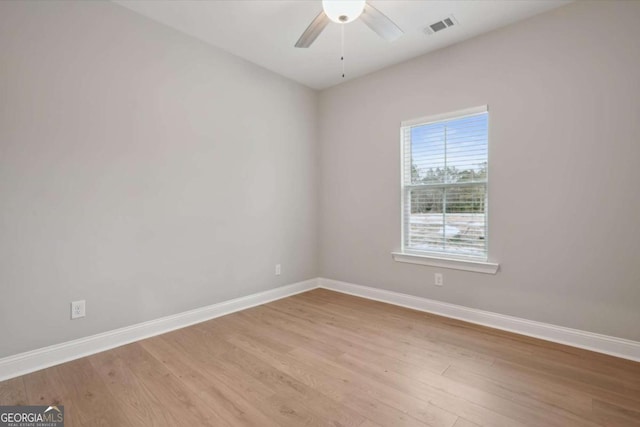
point(444, 185)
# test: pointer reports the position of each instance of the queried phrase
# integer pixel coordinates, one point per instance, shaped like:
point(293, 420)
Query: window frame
point(434, 258)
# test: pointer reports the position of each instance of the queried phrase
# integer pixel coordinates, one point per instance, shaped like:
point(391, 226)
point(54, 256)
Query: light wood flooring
point(324, 358)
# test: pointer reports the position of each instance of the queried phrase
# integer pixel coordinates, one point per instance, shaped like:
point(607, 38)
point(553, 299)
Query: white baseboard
point(35, 360)
point(24, 363)
point(618, 347)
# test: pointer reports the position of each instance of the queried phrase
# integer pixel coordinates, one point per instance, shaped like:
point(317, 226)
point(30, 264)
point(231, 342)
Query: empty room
point(345, 213)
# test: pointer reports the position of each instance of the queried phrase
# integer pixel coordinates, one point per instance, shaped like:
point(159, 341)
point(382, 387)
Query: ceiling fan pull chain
point(342, 56)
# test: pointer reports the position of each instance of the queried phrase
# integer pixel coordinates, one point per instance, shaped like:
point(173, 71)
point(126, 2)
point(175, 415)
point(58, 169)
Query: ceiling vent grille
point(450, 21)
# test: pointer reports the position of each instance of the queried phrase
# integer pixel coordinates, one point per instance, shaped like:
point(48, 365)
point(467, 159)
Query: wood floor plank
point(332, 339)
point(427, 383)
point(608, 366)
point(612, 375)
point(131, 395)
point(348, 388)
point(164, 387)
point(333, 342)
point(570, 406)
point(13, 392)
point(46, 387)
point(408, 398)
point(86, 399)
point(611, 414)
point(461, 422)
point(237, 405)
point(315, 404)
point(380, 336)
point(323, 358)
point(274, 327)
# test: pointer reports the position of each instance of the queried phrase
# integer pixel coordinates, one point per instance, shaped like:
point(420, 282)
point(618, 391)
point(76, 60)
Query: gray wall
point(141, 170)
point(563, 90)
point(149, 173)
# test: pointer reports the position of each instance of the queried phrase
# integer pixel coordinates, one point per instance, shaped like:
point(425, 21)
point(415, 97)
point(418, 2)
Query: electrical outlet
point(438, 279)
point(78, 309)
point(278, 269)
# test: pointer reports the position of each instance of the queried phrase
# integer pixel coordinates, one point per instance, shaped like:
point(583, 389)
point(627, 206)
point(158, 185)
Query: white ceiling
point(264, 32)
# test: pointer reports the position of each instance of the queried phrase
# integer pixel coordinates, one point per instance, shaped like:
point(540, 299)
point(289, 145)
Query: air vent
point(441, 25)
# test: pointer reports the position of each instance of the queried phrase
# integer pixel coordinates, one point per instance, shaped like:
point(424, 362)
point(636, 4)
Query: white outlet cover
point(439, 280)
point(78, 309)
point(278, 269)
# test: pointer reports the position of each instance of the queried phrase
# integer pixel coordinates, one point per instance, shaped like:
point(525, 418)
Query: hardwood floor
point(324, 358)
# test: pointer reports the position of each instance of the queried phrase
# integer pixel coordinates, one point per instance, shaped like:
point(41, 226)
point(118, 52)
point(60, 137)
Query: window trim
point(436, 260)
point(444, 260)
point(428, 120)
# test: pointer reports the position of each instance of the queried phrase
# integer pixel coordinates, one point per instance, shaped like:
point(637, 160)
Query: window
point(444, 185)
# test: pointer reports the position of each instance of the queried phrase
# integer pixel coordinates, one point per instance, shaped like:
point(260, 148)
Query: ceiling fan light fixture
point(343, 11)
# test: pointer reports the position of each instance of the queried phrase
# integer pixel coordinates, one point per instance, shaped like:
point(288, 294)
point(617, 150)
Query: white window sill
point(452, 263)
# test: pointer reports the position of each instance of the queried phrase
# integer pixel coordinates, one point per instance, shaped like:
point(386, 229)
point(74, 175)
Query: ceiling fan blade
point(313, 30)
point(380, 23)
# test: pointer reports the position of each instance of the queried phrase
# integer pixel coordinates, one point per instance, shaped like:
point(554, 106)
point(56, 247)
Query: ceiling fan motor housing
point(343, 11)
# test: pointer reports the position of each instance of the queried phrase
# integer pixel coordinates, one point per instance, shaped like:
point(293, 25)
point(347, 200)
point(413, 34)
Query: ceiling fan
point(345, 11)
